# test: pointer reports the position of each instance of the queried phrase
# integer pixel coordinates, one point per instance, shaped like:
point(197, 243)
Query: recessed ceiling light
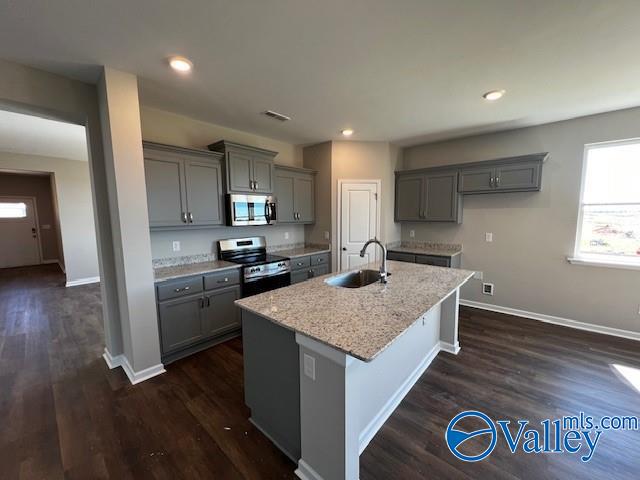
point(180, 64)
point(494, 95)
point(347, 132)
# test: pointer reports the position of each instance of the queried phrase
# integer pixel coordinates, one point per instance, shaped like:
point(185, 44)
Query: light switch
point(412, 233)
point(286, 235)
point(310, 366)
point(176, 246)
point(326, 234)
point(488, 237)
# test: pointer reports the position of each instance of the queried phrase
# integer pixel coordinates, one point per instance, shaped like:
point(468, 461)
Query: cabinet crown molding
point(532, 157)
point(227, 146)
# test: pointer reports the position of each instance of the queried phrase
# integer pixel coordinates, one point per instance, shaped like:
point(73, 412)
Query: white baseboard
point(142, 375)
point(449, 347)
point(61, 265)
point(385, 412)
point(47, 262)
point(134, 377)
point(112, 362)
point(565, 322)
point(83, 281)
point(305, 472)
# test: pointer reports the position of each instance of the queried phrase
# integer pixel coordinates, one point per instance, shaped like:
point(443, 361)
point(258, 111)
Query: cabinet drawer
point(299, 276)
point(221, 279)
point(319, 259)
point(433, 260)
point(401, 257)
point(179, 288)
point(319, 271)
point(300, 262)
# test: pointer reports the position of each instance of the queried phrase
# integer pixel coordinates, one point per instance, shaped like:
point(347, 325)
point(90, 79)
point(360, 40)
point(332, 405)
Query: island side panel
point(449, 323)
point(345, 401)
point(272, 381)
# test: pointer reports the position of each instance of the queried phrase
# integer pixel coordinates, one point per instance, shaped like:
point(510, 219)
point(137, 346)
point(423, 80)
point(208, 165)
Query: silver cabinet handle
point(225, 280)
point(184, 217)
point(190, 217)
point(251, 185)
point(255, 185)
point(497, 181)
point(184, 289)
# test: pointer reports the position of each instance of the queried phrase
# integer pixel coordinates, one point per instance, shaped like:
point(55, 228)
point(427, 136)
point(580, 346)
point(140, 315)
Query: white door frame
point(10, 198)
point(342, 181)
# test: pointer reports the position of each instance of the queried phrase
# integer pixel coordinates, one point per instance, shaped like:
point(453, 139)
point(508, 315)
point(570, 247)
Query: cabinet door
point(240, 171)
point(204, 190)
point(180, 323)
point(320, 270)
point(298, 276)
point(220, 314)
point(166, 199)
point(284, 196)
point(433, 260)
point(476, 180)
point(263, 174)
point(303, 198)
point(522, 176)
point(409, 197)
point(441, 192)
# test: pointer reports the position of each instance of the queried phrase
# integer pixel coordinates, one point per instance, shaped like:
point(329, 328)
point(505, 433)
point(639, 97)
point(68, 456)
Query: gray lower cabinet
point(197, 312)
point(295, 192)
point(249, 169)
point(436, 260)
point(428, 197)
point(304, 268)
point(184, 186)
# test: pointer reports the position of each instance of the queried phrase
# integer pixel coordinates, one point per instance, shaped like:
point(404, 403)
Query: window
point(13, 210)
point(609, 218)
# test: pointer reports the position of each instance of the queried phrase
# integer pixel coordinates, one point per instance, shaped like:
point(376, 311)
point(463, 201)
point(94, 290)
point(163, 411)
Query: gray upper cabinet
point(520, 177)
point(295, 192)
point(476, 180)
point(184, 186)
point(427, 197)
point(409, 197)
point(442, 198)
point(248, 169)
point(517, 174)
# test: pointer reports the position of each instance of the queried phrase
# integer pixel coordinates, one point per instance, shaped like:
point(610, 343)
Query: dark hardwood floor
point(64, 414)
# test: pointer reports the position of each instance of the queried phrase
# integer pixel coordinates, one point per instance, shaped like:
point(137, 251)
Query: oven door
point(250, 210)
point(266, 284)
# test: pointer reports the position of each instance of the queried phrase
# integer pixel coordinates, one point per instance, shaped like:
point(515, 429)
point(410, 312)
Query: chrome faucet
point(383, 266)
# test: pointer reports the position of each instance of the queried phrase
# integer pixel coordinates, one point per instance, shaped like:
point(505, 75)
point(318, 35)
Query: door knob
point(344, 249)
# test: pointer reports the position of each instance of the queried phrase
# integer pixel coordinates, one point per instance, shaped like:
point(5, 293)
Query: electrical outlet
point(478, 275)
point(310, 366)
point(326, 234)
point(176, 246)
point(487, 288)
point(488, 237)
point(286, 235)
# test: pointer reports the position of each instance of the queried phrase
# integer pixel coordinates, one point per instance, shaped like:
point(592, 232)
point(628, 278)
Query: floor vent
point(487, 288)
point(276, 115)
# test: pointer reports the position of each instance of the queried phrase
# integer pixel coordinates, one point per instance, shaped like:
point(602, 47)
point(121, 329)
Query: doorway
point(358, 221)
point(19, 235)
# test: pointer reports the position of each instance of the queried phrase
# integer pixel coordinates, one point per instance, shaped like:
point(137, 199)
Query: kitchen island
point(325, 366)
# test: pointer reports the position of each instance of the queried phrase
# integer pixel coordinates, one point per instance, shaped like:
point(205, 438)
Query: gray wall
point(173, 129)
point(318, 158)
point(533, 233)
point(38, 186)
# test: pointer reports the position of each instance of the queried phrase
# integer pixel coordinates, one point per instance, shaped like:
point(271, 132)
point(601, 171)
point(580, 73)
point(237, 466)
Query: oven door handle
point(267, 211)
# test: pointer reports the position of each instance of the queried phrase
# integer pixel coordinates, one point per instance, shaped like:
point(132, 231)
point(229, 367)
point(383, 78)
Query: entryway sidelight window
point(13, 210)
point(609, 217)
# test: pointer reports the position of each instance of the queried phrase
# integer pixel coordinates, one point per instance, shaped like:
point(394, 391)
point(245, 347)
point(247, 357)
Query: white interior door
point(359, 222)
point(19, 244)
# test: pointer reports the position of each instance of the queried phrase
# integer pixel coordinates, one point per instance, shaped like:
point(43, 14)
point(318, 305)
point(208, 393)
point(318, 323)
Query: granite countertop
point(426, 250)
point(162, 274)
point(361, 322)
point(302, 251)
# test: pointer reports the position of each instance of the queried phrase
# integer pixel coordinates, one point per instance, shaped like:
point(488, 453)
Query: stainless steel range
point(261, 271)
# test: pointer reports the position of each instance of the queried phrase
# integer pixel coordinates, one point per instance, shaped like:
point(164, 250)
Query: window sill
point(590, 262)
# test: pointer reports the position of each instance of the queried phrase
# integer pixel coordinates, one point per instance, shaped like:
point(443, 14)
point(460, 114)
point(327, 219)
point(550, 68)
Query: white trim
point(142, 375)
point(83, 281)
point(277, 444)
point(367, 434)
point(62, 266)
point(450, 348)
point(112, 362)
point(305, 472)
point(342, 181)
point(590, 262)
point(565, 322)
point(53, 260)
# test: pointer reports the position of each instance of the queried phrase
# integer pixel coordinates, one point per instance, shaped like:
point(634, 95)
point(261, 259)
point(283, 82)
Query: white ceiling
point(400, 70)
point(31, 135)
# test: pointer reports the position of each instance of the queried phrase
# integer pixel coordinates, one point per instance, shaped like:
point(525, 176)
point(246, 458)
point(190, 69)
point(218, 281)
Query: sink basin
point(358, 279)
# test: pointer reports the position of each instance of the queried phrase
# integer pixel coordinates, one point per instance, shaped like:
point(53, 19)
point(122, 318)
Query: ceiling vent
point(276, 115)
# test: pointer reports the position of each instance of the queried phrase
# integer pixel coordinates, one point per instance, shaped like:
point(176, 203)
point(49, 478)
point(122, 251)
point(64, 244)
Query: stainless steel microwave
point(250, 209)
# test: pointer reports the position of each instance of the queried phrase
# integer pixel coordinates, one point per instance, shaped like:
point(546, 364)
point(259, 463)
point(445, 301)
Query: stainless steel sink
point(358, 279)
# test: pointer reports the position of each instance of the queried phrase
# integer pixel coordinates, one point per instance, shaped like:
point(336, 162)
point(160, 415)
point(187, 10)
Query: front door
point(19, 244)
point(359, 222)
